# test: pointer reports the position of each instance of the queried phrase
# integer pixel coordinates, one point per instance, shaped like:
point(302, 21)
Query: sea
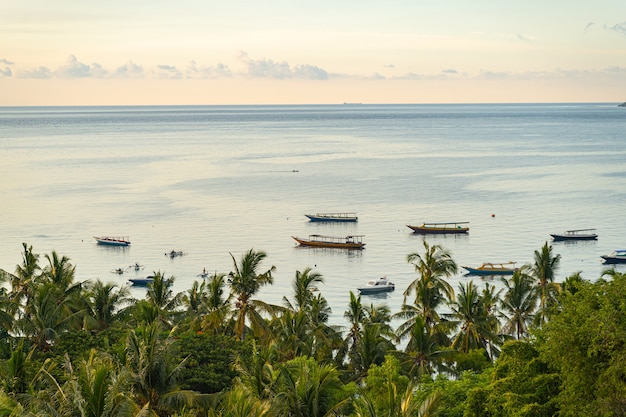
point(217, 181)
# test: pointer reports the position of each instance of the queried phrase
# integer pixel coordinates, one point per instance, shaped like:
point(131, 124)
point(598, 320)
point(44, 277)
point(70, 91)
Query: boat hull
point(141, 282)
point(330, 218)
point(334, 245)
point(376, 290)
point(558, 238)
point(112, 242)
point(476, 271)
point(438, 230)
point(613, 259)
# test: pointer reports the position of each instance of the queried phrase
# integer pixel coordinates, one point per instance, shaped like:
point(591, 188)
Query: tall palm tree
point(217, 305)
point(104, 302)
point(304, 289)
point(518, 304)
point(477, 326)
point(431, 289)
point(25, 275)
point(543, 270)
point(161, 295)
point(245, 282)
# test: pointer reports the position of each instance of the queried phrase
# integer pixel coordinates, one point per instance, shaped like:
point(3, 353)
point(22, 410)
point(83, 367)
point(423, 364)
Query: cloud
point(266, 68)
point(39, 73)
point(218, 71)
point(619, 28)
point(168, 72)
point(73, 68)
point(129, 70)
point(450, 71)
point(6, 72)
point(523, 38)
point(5, 61)
point(588, 26)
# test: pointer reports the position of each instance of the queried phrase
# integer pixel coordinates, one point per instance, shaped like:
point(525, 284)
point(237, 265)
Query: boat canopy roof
point(444, 223)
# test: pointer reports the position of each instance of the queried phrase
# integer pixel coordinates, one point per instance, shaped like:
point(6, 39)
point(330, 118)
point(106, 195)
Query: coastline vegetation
point(534, 348)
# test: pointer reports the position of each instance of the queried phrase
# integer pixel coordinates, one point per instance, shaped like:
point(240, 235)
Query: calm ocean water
point(216, 180)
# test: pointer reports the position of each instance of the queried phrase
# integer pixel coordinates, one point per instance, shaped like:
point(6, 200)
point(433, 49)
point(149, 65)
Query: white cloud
point(73, 68)
point(619, 28)
point(129, 70)
point(6, 72)
point(5, 61)
point(40, 73)
point(220, 70)
point(267, 68)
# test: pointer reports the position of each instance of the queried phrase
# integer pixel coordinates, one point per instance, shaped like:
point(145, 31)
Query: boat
point(333, 217)
point(579, 234)
point(137, 266)
point(378, 285)
point(118, 271)
point(142, 282)
point(320, 241)
point(441, 228)
point(112, 240)
point(174, 253)
point(490, 268)
point(618, 256)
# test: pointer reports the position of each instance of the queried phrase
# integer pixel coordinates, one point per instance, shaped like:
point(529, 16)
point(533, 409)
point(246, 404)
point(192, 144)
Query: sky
point(195, 52)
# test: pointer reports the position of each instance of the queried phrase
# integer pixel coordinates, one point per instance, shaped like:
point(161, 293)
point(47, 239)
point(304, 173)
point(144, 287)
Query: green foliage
point(586, 342)
point(209, 366)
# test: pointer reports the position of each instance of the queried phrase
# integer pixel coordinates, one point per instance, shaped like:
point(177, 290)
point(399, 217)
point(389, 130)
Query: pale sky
point(89, 52)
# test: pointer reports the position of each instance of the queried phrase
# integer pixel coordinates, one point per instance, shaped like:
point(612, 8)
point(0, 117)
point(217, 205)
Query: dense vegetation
point(535, 348)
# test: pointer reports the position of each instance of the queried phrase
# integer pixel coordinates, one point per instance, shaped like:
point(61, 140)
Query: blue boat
point(333, 217)
point(489, 268)
point(141, 282)
point(112, 240)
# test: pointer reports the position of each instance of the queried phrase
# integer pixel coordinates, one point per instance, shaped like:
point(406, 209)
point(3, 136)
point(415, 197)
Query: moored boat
point(321, 241)
point(375, 286)
point(333, 217)
point(113, 240)
point(142, 281)
point(490, 268)
point(618, 256)
point(441, 228)
point(578, 234)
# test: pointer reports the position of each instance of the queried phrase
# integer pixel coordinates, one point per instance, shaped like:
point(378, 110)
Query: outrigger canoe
point(489, 268)
point(320, 241)
point(579, 234)
point(333, 217)
point(441, 228)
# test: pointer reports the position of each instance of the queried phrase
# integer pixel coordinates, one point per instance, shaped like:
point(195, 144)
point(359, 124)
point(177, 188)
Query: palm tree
point(25, 275)
point(307, 388)
point(149, 358)
point(543, 271)
point(161, 295)
point(518, 304)
point(104, 302)
point(217, 306)
point(245, 282)
point(304, 289)
point(477, 326)
point(430, 287)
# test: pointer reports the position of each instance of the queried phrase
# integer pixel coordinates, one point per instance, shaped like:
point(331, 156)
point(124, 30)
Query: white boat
point(377, 285)
point(113, 240)
point(333, 217)
point(618, 256)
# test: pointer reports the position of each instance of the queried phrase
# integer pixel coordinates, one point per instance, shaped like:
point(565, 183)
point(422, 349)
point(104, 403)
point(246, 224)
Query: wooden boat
point(320, 241)
point(375, 286)
point(578, 234)
point(440, 228)
point(141, 282)
point(333, 217)
point(489, 268)
point(174, 253)
point(616, 257)
point(112, 240)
